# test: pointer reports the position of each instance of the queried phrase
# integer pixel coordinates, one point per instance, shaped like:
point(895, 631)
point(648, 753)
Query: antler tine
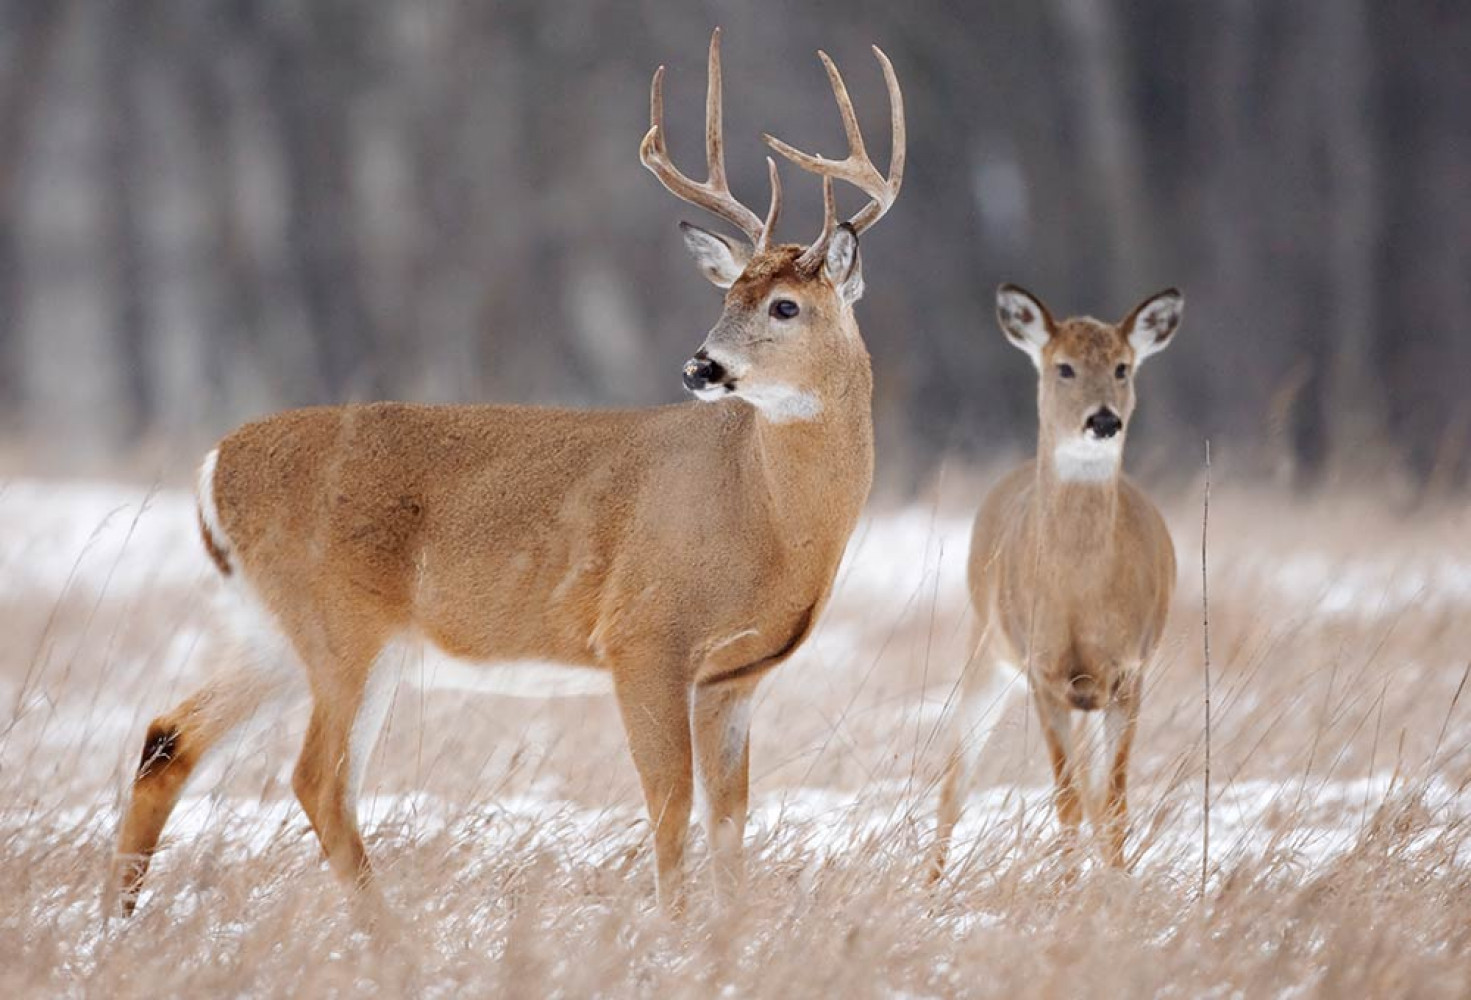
point(715, 116)
point(714, 194)
point(858, 168)
point(815, 250)
point(897, 146)
point(773, 210)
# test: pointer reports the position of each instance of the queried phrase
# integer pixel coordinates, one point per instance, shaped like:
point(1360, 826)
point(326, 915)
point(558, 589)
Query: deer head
point(1085, 388)
point(786, 341)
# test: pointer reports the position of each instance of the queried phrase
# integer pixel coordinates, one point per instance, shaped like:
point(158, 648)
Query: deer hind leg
point(987, 689)
point(722, 726)
point(656, 717)
point(1120, 721)
point(175, 744)
point(351, 697)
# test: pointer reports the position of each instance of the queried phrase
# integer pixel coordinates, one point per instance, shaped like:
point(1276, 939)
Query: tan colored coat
point(1071, 567)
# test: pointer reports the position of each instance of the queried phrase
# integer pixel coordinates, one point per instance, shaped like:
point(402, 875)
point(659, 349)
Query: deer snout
point(702, 372)
point(1103, 423)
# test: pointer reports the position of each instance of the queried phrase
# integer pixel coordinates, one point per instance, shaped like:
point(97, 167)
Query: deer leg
point(175, 744)
point(722, 725)
point(347, 717)
point(656, 718)
point(953, 790)
point(1120, 720)
point(1057, 728)
point(987, 692)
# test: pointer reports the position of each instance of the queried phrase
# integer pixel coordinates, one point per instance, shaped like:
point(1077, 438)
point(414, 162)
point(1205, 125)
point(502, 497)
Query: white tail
point(1071, 567)
point(683, 550)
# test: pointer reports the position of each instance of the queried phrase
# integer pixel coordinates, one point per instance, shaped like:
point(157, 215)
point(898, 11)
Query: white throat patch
point(1087, 459)
point(781, 403)
point(711, 393)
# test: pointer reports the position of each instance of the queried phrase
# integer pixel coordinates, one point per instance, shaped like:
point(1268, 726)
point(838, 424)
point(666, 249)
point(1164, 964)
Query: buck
point(1071, 567)
point(684, 551)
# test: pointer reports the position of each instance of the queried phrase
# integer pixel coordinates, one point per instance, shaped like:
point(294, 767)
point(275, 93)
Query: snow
point(96, 536)
point(904, 556)
point(1374, 585)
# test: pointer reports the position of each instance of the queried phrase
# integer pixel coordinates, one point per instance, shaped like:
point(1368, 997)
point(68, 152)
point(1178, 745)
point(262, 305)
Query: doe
point(1071, 566)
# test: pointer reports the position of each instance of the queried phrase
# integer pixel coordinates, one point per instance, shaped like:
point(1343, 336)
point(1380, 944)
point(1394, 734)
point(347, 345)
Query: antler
point(857, 169)
point(714, 194)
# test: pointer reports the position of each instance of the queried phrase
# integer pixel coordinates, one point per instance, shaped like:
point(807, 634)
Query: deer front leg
point(655, 705)
point(722, 727)
point(1120, 719)
point(1057, 728)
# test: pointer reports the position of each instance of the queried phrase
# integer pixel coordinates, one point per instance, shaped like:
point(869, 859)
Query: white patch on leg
point(732, 745)
point(1088, 459)
point(701, 801)
point(737, 731)
point(383, 677)
point(1092, 757)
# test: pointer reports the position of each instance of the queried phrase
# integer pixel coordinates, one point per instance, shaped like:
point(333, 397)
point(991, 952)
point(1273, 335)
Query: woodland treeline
point(211, 210)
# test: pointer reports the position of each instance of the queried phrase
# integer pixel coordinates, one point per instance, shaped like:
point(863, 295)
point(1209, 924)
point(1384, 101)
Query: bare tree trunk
point(34, 39)
point(122, 234)
point(1354, 397)
point(233, 309)
point(1112, 141)
point(312, 70)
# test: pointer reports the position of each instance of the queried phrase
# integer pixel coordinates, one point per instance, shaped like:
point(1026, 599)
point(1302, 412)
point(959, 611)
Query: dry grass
point(510, 838)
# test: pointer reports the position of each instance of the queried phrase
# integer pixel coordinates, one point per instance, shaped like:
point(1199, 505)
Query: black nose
point(701, 373)
point(1104, 424)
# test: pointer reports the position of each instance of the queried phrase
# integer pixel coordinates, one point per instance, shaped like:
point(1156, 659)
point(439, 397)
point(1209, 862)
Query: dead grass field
point(509, 834)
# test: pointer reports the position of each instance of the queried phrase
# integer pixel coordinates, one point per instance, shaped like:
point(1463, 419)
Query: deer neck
point(816, 473)
point(1077, 502)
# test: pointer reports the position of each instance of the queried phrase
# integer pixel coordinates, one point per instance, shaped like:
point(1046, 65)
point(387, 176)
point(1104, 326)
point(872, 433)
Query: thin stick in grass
point(1205, 613)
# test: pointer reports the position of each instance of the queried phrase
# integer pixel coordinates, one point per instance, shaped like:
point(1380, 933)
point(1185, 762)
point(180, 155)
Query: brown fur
point(1070, 581)
point(686, 549)
point(766, 271)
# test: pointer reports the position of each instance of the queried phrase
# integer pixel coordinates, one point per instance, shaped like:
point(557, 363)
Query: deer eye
point(1121, 372)
point(785, 309)
point(1065, 371)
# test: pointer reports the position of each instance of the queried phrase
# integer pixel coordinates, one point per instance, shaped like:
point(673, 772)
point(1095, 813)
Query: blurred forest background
point(213, 210)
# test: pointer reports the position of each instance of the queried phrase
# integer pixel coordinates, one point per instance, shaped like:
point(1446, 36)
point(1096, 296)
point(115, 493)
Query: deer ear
point(842, 264)
point(1024, 319)
point(719, 260)
point(1152, 324)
